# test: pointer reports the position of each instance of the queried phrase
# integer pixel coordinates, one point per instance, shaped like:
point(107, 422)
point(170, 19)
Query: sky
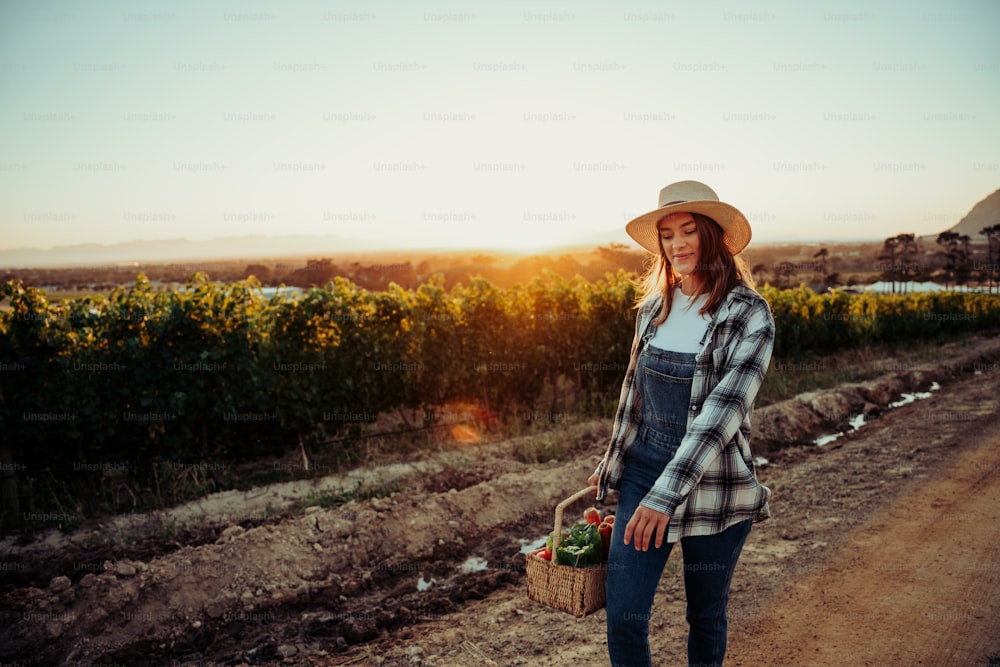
point(507, 125)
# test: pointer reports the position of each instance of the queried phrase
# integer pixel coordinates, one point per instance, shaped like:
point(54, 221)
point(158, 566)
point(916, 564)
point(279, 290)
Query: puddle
point(473, 564)
point(858, 421)
point(855, 423)
point(918, 396)
point(527, 547)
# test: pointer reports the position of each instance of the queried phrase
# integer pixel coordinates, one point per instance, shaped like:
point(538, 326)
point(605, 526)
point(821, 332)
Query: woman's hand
point(643, 525)
point(593, 479)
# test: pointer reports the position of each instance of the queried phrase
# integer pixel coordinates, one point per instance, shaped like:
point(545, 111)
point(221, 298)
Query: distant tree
point(613, 251)
point(822, 254)
point(529, 267)
point(992, 233)
point(759, 271)
point(261, 272)
point(784, 272)
point(566, 266)
point(950, 251)
point(908, 269)
point(485, 260)
point(316, 273)
point(897, 255)
point(424, 269)
point(614, 256)
point(964, 267)
point(890, 248)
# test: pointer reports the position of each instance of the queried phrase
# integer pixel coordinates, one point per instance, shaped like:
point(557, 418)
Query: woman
point(679, 453)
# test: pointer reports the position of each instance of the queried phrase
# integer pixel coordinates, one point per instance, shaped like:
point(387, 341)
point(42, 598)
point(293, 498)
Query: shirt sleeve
point(628, 401)
point(722, 413)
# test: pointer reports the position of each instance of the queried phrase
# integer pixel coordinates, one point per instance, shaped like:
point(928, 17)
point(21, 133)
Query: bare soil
point(883, 549)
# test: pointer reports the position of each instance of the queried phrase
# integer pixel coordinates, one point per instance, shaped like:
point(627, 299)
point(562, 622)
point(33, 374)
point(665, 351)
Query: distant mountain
point(169, 250)
point(984, 214)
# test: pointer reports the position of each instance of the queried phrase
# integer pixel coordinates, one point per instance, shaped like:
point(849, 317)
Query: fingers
point(636, 528)
point(593, 479)
point(644, 526)
point(648, 531)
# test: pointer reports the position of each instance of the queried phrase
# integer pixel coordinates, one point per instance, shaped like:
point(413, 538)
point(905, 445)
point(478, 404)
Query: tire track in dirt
point(920, 585)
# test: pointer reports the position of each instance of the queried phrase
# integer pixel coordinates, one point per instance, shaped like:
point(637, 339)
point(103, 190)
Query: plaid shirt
point(710, 484)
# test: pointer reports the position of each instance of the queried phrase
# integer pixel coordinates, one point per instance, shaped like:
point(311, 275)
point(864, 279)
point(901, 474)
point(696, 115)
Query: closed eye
point(686, 232)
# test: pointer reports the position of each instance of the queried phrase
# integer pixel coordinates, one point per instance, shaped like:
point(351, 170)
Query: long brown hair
point(717, 271)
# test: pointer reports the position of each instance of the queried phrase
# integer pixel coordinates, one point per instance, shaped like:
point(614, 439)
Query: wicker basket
point(577, 590)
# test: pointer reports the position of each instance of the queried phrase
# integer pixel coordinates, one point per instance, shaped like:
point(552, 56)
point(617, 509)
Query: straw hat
point(691, 197)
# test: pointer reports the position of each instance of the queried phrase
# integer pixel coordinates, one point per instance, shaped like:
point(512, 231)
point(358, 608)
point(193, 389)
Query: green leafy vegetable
point(582, 547)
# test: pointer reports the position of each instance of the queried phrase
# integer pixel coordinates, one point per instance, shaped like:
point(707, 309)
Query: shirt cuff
point(665, 503)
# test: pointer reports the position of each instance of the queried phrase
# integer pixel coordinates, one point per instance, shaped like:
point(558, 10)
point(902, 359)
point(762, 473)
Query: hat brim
point(735, 226)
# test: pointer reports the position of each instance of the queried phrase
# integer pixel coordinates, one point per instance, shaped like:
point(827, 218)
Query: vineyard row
point(220, 373)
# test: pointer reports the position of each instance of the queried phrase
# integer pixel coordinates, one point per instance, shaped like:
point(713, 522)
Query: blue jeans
point(709, 561)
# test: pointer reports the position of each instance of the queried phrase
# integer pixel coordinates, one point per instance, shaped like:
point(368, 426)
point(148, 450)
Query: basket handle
point(557, 536)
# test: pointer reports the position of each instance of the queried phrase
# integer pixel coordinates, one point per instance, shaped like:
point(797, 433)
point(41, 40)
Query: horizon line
point(371, 245)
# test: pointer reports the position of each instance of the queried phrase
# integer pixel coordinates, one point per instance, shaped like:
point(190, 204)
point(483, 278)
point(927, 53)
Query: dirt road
point(918, 584)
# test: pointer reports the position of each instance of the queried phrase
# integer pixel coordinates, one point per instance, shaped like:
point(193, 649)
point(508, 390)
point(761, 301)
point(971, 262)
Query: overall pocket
point(665, 398)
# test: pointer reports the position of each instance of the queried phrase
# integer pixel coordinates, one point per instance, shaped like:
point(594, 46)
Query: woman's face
point(680, 241)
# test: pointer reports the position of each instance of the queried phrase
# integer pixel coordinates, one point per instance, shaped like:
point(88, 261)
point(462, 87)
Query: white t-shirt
point(684, 328)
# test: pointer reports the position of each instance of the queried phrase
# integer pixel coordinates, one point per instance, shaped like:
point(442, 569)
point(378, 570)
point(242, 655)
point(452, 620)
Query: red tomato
point(591, 515)
point(545, 554)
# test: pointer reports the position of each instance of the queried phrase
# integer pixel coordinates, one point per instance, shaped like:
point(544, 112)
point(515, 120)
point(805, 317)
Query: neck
point(689, 287)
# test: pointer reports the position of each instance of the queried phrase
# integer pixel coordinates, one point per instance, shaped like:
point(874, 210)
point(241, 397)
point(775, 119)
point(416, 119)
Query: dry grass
point(810, 372)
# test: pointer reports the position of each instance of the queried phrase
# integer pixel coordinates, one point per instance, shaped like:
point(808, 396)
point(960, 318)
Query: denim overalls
point(663, 379)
